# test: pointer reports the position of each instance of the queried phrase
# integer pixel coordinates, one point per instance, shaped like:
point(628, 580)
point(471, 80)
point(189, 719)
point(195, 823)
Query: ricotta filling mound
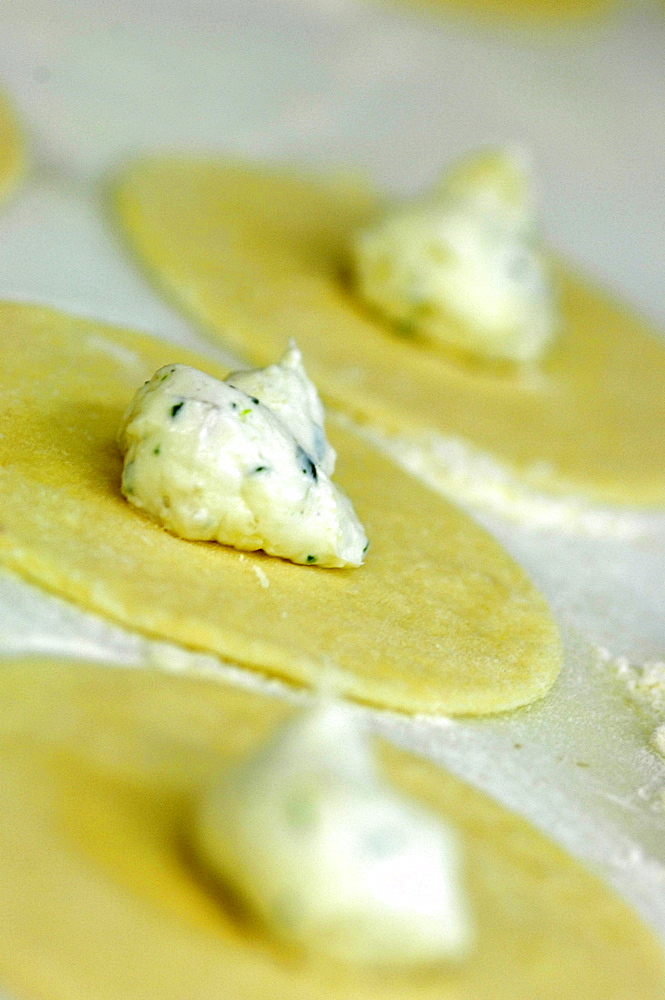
point(310, 837)
point(463, 267)
point(243, 461)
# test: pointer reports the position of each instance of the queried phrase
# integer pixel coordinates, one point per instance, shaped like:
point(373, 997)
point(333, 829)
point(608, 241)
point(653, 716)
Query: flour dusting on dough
point(129, 360)
point(260, 575)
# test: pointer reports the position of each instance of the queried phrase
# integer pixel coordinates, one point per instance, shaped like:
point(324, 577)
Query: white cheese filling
point(464, 267)
point(244, 462)
point(327, 856)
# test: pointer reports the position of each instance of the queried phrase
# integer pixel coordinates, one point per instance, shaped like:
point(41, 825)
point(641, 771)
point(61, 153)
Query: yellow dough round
point(439, 619)
point(11, 148)
point(260, 255)
point(542, 12)
point(102, 900)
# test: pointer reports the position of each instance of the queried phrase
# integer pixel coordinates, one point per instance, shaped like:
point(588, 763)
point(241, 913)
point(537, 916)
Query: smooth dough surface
point(11, 148)
point(439, 619)
point(259, 255)
point(99, 770)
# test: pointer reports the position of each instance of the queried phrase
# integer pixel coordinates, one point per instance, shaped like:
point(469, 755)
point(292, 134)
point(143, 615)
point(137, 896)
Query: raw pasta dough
point(439, 619)
point(259, 255)
point(11, 148)
point(101, 899)
point(540, 12)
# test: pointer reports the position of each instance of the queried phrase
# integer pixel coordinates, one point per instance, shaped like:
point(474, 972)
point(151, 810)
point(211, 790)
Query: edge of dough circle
point(438, 620)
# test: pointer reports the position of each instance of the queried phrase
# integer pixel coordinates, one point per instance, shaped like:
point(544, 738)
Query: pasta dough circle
point(259, 256)
point(98, 773)
point(439, 619)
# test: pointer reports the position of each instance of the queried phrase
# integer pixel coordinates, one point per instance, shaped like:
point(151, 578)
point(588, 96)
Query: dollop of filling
point(464, 266)
point(310, 837)
point(244, 462)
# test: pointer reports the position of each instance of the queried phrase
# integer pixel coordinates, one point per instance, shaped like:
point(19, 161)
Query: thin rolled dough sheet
point(11, 148)
point(439, 619)
point(259, 255)
point(102, 900)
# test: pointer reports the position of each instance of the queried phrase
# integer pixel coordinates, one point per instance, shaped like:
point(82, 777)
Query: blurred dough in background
point(541, 12)
point(11, 148)
point(261, 254)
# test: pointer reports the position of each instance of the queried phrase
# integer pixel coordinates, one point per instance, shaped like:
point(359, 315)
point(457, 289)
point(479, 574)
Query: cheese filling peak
point(328, 856)
point(463, 267)
point(243, 461)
